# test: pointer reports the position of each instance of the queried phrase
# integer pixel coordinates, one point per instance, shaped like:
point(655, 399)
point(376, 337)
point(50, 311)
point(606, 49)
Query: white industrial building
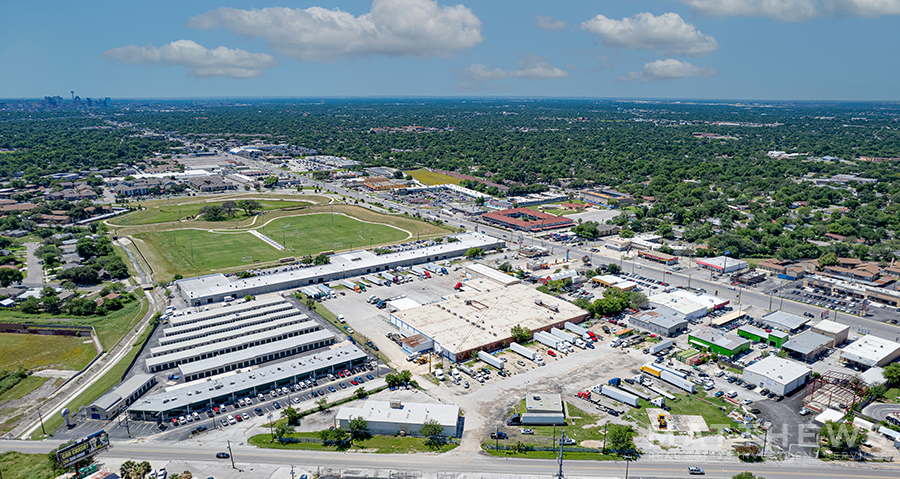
point(722, 264)
point(784, 321)
point(869, 351)
point(781, 376)
point(216, 287)
point(689, 308)
point(120, 397)
point(663, 321)
point(395, 417)
point(477, 270)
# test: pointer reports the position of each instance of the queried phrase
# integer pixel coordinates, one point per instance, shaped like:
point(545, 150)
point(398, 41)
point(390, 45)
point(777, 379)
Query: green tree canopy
point(521, 334)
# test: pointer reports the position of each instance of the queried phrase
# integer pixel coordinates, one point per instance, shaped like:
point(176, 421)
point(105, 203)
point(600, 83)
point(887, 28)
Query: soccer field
point(162, 213)
point(431, 178)
point(303, 235)
point(40, 351)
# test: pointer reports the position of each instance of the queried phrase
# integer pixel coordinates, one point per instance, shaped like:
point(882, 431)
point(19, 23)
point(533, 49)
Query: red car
point(341, 373)
point(238, 418)
point(353, 382)
point(550, 352)
point(668, 272)
point(174, 421)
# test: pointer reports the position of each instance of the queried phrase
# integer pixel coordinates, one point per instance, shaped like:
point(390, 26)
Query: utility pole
point(231, 455)
point(41, 418)
point(627, 461)
point(559, 458)
point(127, 429)
point(765, 439)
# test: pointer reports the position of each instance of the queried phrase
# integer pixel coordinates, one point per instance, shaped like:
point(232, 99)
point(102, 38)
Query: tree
point(474, 252)
point(143, 469)
point(892, 373)
point(840, 436)
point(637, 300)
point(359, 428)
point(229, 207)
point(613, 268)
point(746, 475)
point(520, 334)
point(333, 435)
point(86, 247)
point(213, 213)
point(361, 392)
point(282, 431)
point(31, 305)
point(292, 415)
point(126, 468)
point(434, 432)
point(322, 404)
point(626, 233)
point(9, 276)
point(249, 206)
point(828, 259)
point(587, 230)
point(620, 439)
point(321, 259)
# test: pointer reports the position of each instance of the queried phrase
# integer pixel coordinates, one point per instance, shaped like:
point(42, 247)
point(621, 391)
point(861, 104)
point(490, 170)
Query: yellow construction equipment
point(662, 421)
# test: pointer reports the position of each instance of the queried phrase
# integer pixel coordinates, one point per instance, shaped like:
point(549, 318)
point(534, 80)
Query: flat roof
point(869, 350)
point(251, 353)
point(784, 320)
point(473, 319)
point(727, 318)
point(546, 402)
point(196, 392)
point(782, 371)
point(447, 415)
point(216, 285)
point(222, 310)
point(662, 316)
point(754, 331)
point(123, 390)
point(178, 335)
point(403, 304)
point(278, 325)
point(492, 274)
point(727, 341)
point(830, 327)
point(241, 342)
point(807, 342)
point(682, 304)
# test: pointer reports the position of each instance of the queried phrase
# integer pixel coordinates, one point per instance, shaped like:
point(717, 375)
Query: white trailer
point(578, 330)
point(349, 285)
point(676, 381)
point(543, 419)
point(547, 340)
point(467, 370)
point(518, 348)
point(661, 346)
point(562, 335)
point(418, 270)
point(619, 395)
point(492, 360)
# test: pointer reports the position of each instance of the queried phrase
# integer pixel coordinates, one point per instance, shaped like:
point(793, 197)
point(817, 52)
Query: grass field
point(162, 213)
point(374, 444)
point(431, 178)
point(37, 351)
point(17, 465)
point(25, 387)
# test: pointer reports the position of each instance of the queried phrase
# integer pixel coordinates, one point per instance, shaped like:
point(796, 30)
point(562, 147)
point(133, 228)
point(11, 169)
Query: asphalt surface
point(35, 276)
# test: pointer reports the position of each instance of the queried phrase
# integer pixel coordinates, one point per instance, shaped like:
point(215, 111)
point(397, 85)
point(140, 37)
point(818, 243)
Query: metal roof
point(123, 390)
point(447, 415)
point(782, 371)
point(807, 342)
point(783, 320)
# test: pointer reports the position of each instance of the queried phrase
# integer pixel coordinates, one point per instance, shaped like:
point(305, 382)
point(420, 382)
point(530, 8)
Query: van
point(731, 394)
point(340, 318)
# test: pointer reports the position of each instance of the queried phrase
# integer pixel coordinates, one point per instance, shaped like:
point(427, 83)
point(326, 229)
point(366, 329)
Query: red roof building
point(527, 219)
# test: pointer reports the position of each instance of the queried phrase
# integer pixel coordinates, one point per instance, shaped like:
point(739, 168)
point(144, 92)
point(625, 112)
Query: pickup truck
point(498, 435)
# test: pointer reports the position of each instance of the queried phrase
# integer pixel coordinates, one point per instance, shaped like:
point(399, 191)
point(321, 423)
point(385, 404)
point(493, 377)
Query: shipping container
point(543, 419)
point(578, 330)
point(675, 380)
point(490, 359)
point(518, 348)
point(619, 395)
point(661, 346)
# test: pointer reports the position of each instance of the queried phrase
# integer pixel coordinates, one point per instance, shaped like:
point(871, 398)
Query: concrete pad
point(692, 424)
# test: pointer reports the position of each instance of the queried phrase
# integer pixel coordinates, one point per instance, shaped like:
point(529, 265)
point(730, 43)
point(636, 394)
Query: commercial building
point(719, 343)
point(787, 322)
point(687, 307)
point(395, 417)
point(807, 346)
point(663, 321)
point(473, 320)
point(216, 287)
point(243, 383)
point(722, 264)
point(543, 403)
point(774, 338)
point(836, 331)
point(869, 351)
point(617, 243)
point(781, 376)
point(526, 219)
point(120, 397)
point(604, 196)
point(478, 270)
point(658, 257)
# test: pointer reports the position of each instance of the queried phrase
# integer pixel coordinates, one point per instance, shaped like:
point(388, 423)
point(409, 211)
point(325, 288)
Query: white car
point(804, 412)
point(747, 402)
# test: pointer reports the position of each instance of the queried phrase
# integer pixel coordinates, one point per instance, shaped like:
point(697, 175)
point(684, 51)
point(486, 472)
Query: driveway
point(35, 278)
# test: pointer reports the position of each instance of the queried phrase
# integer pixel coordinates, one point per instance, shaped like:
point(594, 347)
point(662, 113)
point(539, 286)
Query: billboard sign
point(83, 449)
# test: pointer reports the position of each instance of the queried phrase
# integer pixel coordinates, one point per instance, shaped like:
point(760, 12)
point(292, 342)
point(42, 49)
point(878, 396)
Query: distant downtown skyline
point(692, 49)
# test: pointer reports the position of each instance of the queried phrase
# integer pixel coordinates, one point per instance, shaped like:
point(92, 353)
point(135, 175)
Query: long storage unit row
point(291, 320)
point(224, 311)
point(223, 328)
point(232, 317)
point(168, 361)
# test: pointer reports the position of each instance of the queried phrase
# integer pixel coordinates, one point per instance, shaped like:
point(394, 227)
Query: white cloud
point(795, 11)
point(667, 34)
point(417, 28)
point(531, 67)
point(200, 61)
point(669, 69)
point(547, 23)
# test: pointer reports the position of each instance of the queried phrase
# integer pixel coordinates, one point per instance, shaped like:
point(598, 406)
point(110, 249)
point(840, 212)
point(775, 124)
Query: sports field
point(304, 235)
point(431, 178)
point(36, 351)
point(160, 212)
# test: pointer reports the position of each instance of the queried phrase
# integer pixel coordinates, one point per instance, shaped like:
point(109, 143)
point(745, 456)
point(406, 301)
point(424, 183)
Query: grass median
point(372, 444)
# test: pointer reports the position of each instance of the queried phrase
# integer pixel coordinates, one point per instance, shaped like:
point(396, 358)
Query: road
point(473, 464)
point(35, 278)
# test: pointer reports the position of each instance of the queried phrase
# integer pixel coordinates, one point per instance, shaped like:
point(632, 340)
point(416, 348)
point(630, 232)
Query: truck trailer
point(677, 381)
point(578, 330)
point(492, 360)
point(547, 340)
point(661, 346)
point(543, 419)
point(518, 348)
point(619, 395)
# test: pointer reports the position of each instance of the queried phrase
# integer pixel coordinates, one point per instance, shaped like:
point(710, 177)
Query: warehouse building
point(658, 257)
point(836, 331)
point(722, 264)
point(781, 376)
point(869, 351)
point(526, 219)
point(120, 397)
point(473, 321)
point(244, 383)
point(687, 307)
point(227, 314)
point(663, 321)
point(213, 327)
point(394, 417)
point(478, 270)
point(719, 343)
point(252, 329)
point(544, 403)
point(216, 287)
point(808, 346)
point(774, 338)
point(787, 322)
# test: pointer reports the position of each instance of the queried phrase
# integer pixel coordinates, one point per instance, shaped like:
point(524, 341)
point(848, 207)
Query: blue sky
point(703, 49)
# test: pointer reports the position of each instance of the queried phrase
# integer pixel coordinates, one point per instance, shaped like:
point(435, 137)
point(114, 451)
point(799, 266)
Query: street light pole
point(231, 455)
point(41, 418)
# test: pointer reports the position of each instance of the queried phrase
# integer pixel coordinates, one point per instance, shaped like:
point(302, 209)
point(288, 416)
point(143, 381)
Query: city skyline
point(818, 50)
